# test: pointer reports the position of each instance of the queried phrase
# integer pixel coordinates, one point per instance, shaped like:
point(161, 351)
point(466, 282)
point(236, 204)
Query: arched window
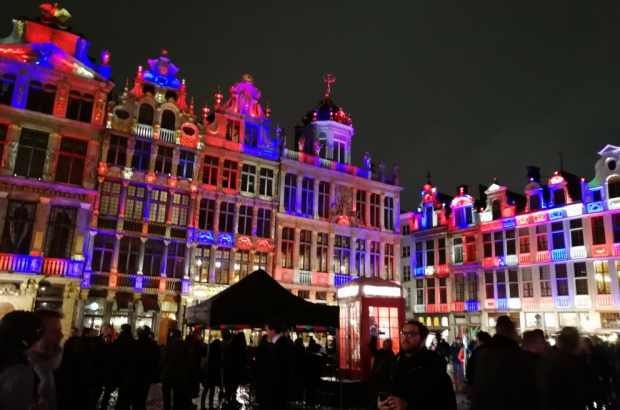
point(496, 209)
point(80, 107)
point(168, 120)
point(41, 97)
point(148, 89)
point(171, 95)
point(146, 114)
point(436, 322)
point(558, 197)
point(613, 187)
point(7, 86)
point(534, 202)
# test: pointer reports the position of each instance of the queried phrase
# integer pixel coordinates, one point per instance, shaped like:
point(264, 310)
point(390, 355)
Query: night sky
point(469, 90)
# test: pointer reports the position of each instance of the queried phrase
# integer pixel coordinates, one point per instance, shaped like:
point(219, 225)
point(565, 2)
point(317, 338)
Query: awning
point(124, 301)
point(149, 303)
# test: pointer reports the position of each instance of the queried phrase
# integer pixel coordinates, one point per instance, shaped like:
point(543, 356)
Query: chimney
point(533, 173)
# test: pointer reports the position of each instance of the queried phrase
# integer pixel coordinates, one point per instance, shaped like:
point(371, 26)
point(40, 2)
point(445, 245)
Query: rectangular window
point(60, 228)
point(263, 223)
point(375, 258)
point(489, 285)
point(180, 209)
point(305, 249)
point(511, 243)
point(459, 288)
point(158, 205)
point(360, 206)
point(405, 229)
point(203, 264)
point(472, 286)
point(324, 202)
point(322, 247)
point(250, 136)
point(498, 238)
point(134, 202)
point(227, 217)
point(557, 235)
point(340, 152)
point(419, 291)
point(541, 238)
point(615, 225)
point(153, 251)
point(141, 158)
point(288, 244)
point(210, 170)
point(260, 261)
point(598, 230)
point(117, 150)
point(576, 233)
point(360, 257)
point(534, 202)
point(388, 261)
point(524, 240)
point(561, 279)
point(110, 198)
point(266, 182)
point(419, 255)
point(245, 220)
point(457, 250)
point(31, 152)
point(430, 253)
point(342, 255)
point(406, 251)
point(290, 192)
point(175, 263)
point(129, 254)
point(545, 281)
point(242, 263)
point(581, 278)
point(487, 245)
point(388, 213)
point(443, 290)
point(71, 161)
point(233, 129)
point(229, 175)
point(375, 209)
point(206, 214)
point(430, 291)
point(441, 251)
point(501, 284)
point(513, 283)
point(248, 178)
point(603, 281)
point(185, 169)
point(307, 196)
point(222, 265)
point(103, 250)
point(406, 273)
point(470, 249)
point(527, 283)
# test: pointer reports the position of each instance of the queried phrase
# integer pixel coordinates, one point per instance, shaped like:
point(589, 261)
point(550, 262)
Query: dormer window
point(613, 187)
point(559, 198)
point(233, 129)
point(339, 153)
point(428, 215)
point(168, 120)
point(462, 216)
point(145, 115)
point(496, 208)
point(596, 196)
point(534, 202)
point(250, 136)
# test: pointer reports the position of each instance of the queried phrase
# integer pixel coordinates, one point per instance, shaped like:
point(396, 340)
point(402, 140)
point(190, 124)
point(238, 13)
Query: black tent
point(256, 299)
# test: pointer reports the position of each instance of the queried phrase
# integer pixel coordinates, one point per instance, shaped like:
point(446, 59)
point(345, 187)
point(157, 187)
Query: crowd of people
point(38, 373)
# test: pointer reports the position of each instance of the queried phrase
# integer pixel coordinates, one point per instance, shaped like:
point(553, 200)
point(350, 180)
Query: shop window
point(103, 251)
point(185, 169)
point(18, 227)
point(7, 86)
point(263, 223)
point(227, 217)
point(60, 228)
point(41, 98)
point(31, 152)
point(168, 120)
point(71, 161)
point(153, 251)
point(145, 115)
point(117, 150)
point(175, 263)
point(129, 254)
point(141, 158)
point(80, 107)
point(210, 170)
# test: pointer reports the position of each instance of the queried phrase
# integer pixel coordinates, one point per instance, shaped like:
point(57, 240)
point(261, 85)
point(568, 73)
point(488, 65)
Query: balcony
point(178, 232)
point(558, 254)
point(525, 259)
point(472, 306)
point(502, 304)
point(136, 282)
point(528, 303)
point(340, 280)
point(578, 252)
point(174, 285)
point(546, 302)
point(418, 271)
point(458, 306)
point(599, 250)
point(489, 304)
point(431, 308)
point(419, 309)
point(166, 135)
point(20, 263)
point(443, 308)
point(617, 249)
point(143, 130)
point(562, 302)
point(542, 256)
point(62, 267)
point(132, 226)
point(603, 300)
point(442, 269)
point(584, 301)
point(305, 278)
point(488, 262)
point(613, 203)
point(157, 229)
point(512, 260)
point(107, 222)
point(429, 271)
point(99, 279)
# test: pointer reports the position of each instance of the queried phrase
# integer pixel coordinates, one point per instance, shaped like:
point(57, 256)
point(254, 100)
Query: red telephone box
point(367, 303)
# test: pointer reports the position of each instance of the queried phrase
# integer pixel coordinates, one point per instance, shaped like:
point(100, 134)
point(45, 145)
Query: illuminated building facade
point(335, 221)
point(547, 260)
point(52, 110)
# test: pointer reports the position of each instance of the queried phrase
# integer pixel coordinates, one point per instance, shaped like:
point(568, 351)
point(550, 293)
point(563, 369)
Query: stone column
point(154, 149)
point(49, 168)
point(40, 224)
point(314, 260)
point(164, 259)
point(296, 257)
point(109, 305)
point(330, 253)
point(124, 186)
point(169, 206)
point(187, 261)
point(141, 256)
point(397, 215)
point(279, 247)
point(216, 219)
point(92, 164)
point(10, 152)
point(117, 245)
point(89, 250)
point(79, 316)
point(353, 261)
point(300, 179)
point(381, 212)
point(368, 193)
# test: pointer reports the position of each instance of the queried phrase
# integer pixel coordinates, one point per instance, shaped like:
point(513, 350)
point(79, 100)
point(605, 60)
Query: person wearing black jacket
point(212, 373)
point(121, 355)
point(145, 368)
point(384, 357)
point(416, 379)
point(278, 372)
point(482, 339)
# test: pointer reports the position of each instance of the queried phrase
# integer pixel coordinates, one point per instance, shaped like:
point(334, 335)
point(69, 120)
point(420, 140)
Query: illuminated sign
point(205, 237)
point(225, 239)
point(245, 243)
point(370, 290)
point(574, 210)
point(348, 292)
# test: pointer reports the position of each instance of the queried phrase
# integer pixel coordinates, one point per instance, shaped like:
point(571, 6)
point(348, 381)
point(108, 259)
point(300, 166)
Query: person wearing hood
point(46, 354)
point(19, 330)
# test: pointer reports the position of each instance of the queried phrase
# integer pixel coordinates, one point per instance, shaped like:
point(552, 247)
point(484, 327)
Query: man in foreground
point(417, 379)
point(278, 366)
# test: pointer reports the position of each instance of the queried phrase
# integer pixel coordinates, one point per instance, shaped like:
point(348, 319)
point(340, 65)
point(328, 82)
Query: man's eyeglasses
point(409, 334)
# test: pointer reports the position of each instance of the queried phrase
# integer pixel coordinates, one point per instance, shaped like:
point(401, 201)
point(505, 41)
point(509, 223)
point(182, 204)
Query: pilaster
point(330, 253)
point(300, 178)
point(382, 213)
point(279, 246)
point(42, 215)
point(296, 257)
point(10, 151)
point(49, 168)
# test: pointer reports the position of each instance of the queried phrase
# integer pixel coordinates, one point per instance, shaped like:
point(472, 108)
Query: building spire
point(428, 177)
